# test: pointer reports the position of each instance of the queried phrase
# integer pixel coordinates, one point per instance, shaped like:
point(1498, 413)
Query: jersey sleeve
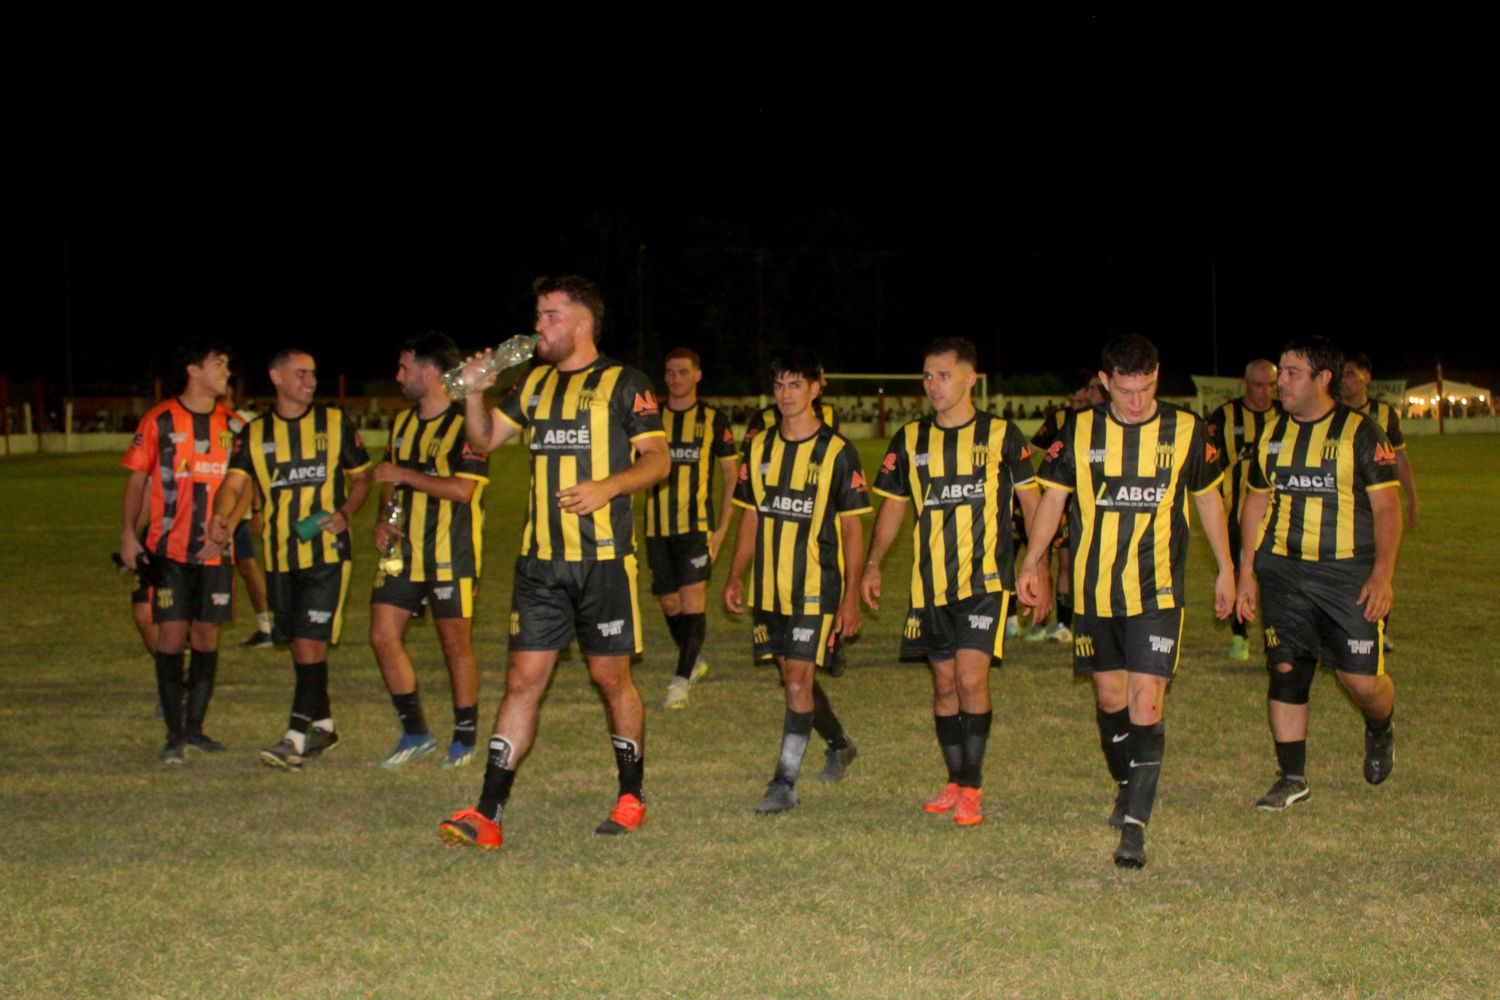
point(850, 494)
point(1374, 456)
point(1393, 429)
point(1059, 470)
point(744, 495)
point(467, 463)
point(512, 407)
point(635, 408)
point(891, 480)
point(1201, 471)
point(831, 416)
point(142, 454)
point(352, 454)
point(1255, 477)
point(239, 454)
point(724, 445)
point(1015, 453)
point(1218, 422)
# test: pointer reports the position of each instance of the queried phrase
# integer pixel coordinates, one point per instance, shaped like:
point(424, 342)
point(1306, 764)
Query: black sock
point(825, 722)
point(1291, 757)
point(976, 729)
point(674, 626)
point(950, 737)
point(1378, 727)
point(170, 689)
point(795, 729)
point(498, 776)
point(1238, 627)
point(1114, 727)
point(466, 725)
point(1147, 745)
point(202, 668)
point(320, 706)
point(629, 763)
point(310, 695)
point(690, 644)
point(1065, 609)
point(409, 711)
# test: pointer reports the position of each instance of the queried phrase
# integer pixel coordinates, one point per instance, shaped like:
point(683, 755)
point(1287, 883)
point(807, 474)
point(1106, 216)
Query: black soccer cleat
point(1380, 755)
point(319, 741)
point(837, 761)
point(171, 751)
point(204, 744)
point(780, 797)
point(1284, 794)
point(1117, 814)
point(258, 640)
point(1132, 850)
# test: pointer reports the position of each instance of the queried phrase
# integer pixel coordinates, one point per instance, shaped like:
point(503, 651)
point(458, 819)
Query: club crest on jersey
point(981, 454)
point(226, 439)
point(1330, 451)
point(585, 398)
point(1165, 453)
point(814, 470)
point(320, 442)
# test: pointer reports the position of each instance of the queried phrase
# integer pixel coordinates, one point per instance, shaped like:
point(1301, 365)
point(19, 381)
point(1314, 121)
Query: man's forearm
point(132, 502)
point(1386, 515)
point(887, 526)
point(1044, 526)
point(1403, 474)
point(455, 488)
point(648, 469)
point(1216, 527)
point(357, 493)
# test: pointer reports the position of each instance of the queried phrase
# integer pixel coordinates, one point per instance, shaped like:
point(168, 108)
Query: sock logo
point(500, 752)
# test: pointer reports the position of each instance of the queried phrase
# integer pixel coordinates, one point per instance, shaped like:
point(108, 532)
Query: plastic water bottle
point(391, 563)
point(460, 381)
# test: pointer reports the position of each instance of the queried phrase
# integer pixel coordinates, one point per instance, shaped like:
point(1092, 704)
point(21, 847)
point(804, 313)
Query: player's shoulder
point(165, 406)
point(1180, 413)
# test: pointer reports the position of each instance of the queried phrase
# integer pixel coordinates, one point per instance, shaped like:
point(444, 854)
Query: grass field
point(119, 877)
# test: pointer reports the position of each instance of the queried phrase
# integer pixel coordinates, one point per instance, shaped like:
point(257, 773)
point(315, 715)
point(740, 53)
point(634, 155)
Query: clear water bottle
point(461, 380)
point(391, 563)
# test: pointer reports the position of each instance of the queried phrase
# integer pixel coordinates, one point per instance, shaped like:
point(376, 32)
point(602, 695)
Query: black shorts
point(142, 592)
point(1147, 643)
point(308, 603)
point(1309, 609)
point(792, 637)
point(554, 598)
point(446, 598)
point(677, 561)
point(187, 593)
point(937, 632)
point(244, 542)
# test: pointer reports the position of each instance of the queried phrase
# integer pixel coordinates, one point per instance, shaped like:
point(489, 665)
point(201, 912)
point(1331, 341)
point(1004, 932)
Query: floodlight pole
point(1440, 396)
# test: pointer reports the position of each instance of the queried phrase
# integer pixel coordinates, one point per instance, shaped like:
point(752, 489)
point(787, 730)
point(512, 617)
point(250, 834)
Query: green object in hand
point(308, 528)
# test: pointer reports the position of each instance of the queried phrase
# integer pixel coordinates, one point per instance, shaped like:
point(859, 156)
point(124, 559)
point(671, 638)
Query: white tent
point(1420, 399)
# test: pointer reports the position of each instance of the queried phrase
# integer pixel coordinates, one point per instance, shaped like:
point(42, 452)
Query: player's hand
point(734, 593)
point(384, 535)
point(471, 368)
point(869, 586)
point(389, 472)
point(716, 544)
point(1224, 593)
point(1034, 588)
point(1376, 596)
point(335, 523)
point(130, 549)
point(847, 622)
point(586, 497)
point(1411, 513)
point(1245, 600)
point(257, 524)
point(218, 530)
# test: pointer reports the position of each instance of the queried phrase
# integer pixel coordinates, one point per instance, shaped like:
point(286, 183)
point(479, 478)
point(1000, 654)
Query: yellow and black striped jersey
point(1129, 523)
point(443, 540)
point(299, 465)
point(960, 479)
point(580, 426)
point(1387, 418)
point(1320, 474)
point(800, 489)
point(769, 417)
point(1234, 430)
point(1052, 425)
point(697, 438)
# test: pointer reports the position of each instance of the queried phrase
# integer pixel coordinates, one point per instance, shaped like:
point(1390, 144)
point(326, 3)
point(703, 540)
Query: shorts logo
point(443, 593)
point(982, 622)
point(320, 617)
point(760, 634)
point(1361, 647)
point(220, 600)
point(163, 597)
point(913, 627)
point(802, 635)
point(1272, 639)
point(515, 623)
point(1083, 646)
point(611, 628)
point(1161, 643)
point(699, 561)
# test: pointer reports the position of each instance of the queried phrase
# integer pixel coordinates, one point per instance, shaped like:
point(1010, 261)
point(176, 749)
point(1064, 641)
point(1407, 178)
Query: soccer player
point(1320, 531)
point(595, 436)
point(802, 490)
point(439, 482)
point(177, 461)
point(958, 467)
point(1129, 466)
point(679, 545)
point(295, 458)
point(1084, 390)
point(1233, 430)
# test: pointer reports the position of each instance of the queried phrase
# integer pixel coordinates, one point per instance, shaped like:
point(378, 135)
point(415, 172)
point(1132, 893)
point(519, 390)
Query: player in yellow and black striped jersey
point(297, 456)
point(802, 489)
point(679, 545)
point(958, 467)
point(595, 436)
point(1233, 430)
point(1130, 466)
point(439, 481)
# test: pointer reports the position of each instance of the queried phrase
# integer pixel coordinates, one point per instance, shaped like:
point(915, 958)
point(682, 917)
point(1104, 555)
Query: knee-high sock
point(498, 777)
point(629, 763)
point(976, 729)
point(825, 722)
point(1147, 747)
point(309, 696)
point(1114, 728)
point(690, 644)
point(795, 729)
point(170, 689)
point(202, 668)
point(950, 737)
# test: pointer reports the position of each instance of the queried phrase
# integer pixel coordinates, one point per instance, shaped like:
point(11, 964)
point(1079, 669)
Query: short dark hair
point(284, 355)
point(1360, 360)
point(797, 362)
point(580, 291)
point(962, 348)
point(1321, 354)
point(1130, 354)
point(684, 354)
point(1080, 379)
point(433, 348)
point(195, 350)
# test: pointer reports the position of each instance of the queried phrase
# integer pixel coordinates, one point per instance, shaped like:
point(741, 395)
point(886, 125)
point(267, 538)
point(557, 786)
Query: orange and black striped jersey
point(186, 456)
point(580, 426)
point(299, 467)
point(697, 438)
point(960, 479)
point(1320, 474)
point(1129, 523)
point(1387, 418)
point(1234, 430)
point(443, 540)
point(770, 416)
point(800, 489)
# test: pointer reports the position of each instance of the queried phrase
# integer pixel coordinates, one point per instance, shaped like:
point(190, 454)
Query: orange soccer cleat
point(942, 801)
point(470, 828)
point(628, 815)
point(969, 811)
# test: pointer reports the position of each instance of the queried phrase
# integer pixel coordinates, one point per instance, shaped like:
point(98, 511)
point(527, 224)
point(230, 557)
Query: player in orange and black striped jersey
point(439, 482)
point(802, 489)
point(1322, 528)
point(679, 545)
point(296, 457)
point(958, 467)
point(177, 461)
point(1233, 430)
point(1129, 466)
point(595, 436)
